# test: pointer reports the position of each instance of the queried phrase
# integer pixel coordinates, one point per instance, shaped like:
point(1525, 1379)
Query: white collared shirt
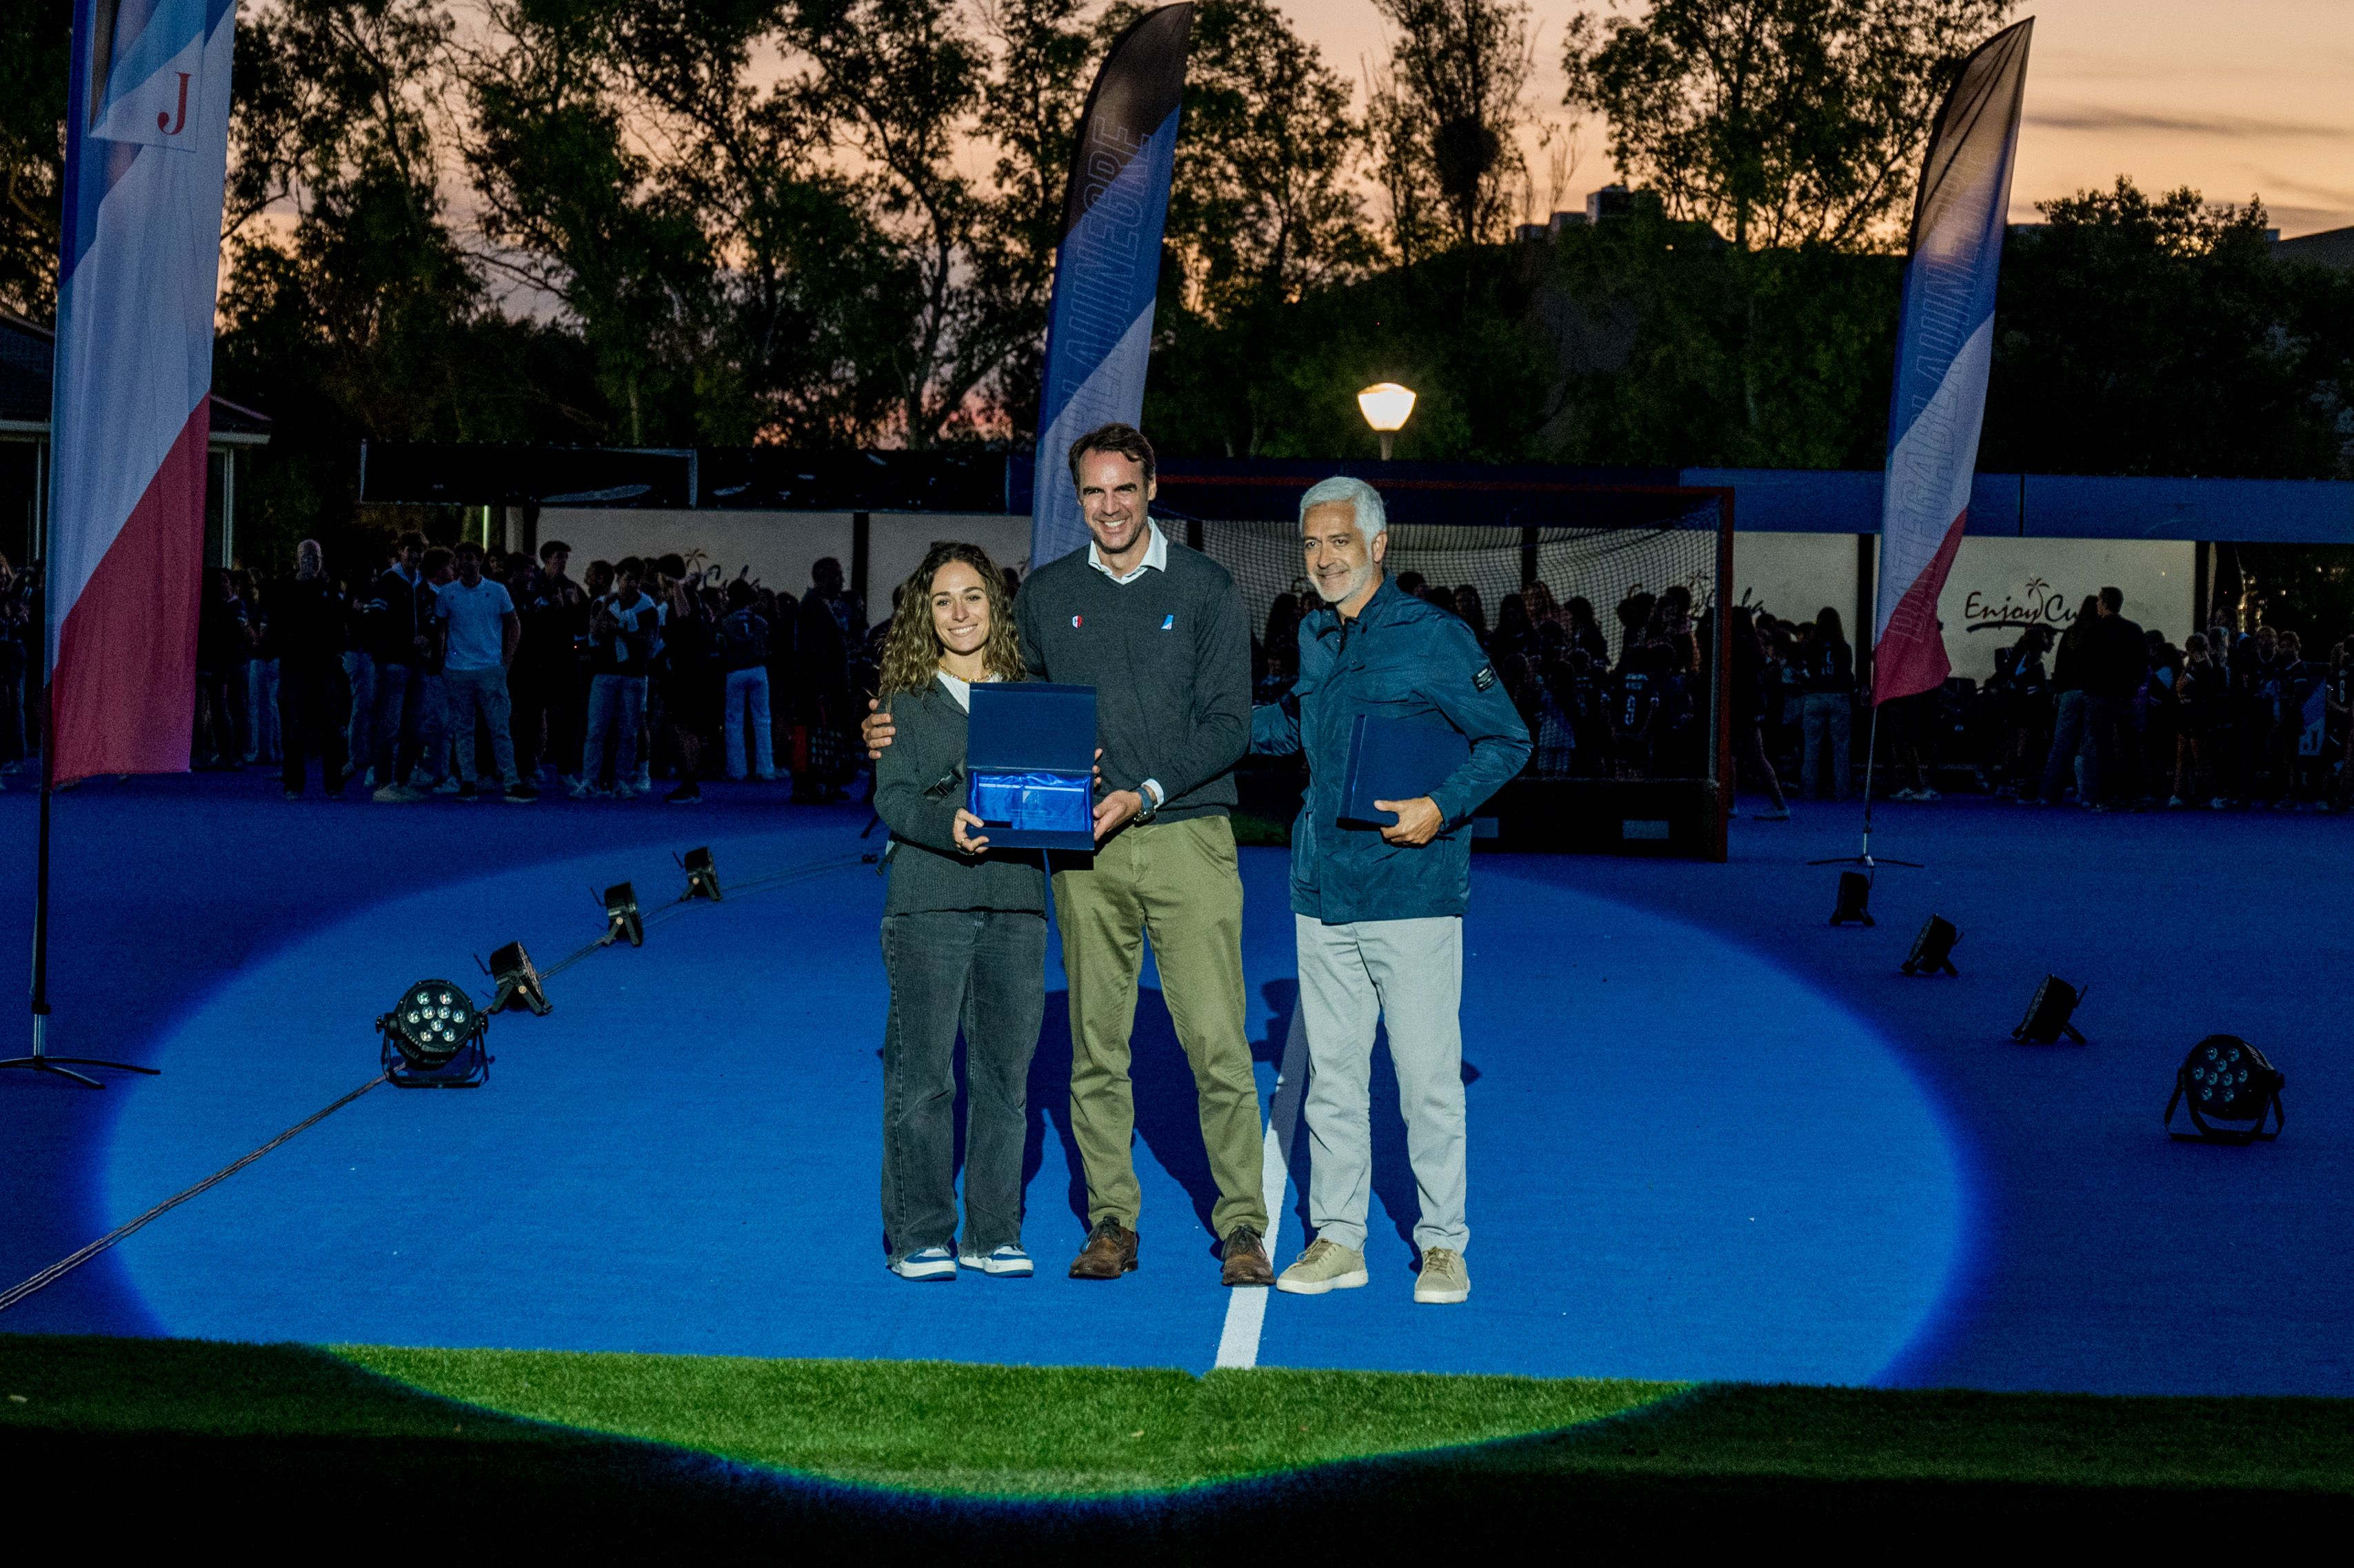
point(1156, 555)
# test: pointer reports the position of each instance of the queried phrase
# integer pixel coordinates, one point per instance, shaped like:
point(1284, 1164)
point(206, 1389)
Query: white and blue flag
point(1108, 266)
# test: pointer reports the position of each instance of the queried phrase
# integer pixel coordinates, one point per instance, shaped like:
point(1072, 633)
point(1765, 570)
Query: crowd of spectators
point(460, 672)
point(1637, 712)
point(467, 672)
point(2101, 712)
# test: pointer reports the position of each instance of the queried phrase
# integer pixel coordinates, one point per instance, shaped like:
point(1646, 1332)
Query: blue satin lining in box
point(1042, 802)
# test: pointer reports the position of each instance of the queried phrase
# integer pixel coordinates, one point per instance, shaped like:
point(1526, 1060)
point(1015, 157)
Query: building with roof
point(27, 353)
point(2330, 248)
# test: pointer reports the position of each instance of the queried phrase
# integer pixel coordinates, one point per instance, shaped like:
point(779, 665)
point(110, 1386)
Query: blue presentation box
point(1396, 760)
point(1030, 751)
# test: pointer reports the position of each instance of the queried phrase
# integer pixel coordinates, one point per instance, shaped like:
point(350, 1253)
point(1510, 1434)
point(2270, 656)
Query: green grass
point(949, 1427)
point(1042, 1431)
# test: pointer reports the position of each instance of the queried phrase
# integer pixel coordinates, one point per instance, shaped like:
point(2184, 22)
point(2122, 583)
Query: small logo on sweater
point(1167, 621)
point(1077, 621)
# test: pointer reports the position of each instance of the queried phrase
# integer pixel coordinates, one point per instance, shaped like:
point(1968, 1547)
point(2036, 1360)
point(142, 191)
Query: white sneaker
point(1325, 1265)
point(1006, 1261)
point(931, 1263)
point(624, 791)
point(1444, 1280)
point(1778, 814)
point(449, 785)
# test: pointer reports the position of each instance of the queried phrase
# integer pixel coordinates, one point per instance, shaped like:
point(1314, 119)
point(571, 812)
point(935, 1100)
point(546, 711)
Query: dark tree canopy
point(1779, 121)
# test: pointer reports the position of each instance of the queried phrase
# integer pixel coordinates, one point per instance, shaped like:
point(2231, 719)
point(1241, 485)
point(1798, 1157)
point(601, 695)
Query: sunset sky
point(2237, 99)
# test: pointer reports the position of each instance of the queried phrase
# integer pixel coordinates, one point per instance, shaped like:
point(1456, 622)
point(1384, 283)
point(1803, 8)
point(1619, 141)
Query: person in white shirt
point(480, 632)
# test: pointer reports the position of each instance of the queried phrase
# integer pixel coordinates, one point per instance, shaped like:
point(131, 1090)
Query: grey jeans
point(468, 692)
point(983, 971)
point(2073, 729)
point(1410, 974)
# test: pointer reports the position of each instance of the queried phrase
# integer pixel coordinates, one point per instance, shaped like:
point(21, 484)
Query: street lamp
point(1386, 407)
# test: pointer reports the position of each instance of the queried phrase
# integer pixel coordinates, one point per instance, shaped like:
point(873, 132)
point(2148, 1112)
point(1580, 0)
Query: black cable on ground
point(66, 1265)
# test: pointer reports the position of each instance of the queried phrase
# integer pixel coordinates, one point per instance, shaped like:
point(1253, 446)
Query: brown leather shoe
point(1110, 1252)
point(1245, 1258)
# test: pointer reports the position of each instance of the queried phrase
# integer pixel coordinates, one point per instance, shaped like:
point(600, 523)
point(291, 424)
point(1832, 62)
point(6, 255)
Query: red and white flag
point(1945, 348)
point(146, 154)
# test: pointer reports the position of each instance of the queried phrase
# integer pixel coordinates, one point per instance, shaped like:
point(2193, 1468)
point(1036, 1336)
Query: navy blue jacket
point(1401, 658)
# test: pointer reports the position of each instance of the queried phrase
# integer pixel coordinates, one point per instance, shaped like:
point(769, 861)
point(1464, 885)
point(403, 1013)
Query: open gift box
point(1030, 752)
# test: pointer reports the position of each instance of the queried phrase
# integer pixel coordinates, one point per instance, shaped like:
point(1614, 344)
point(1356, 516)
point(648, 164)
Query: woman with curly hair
point(964, 936)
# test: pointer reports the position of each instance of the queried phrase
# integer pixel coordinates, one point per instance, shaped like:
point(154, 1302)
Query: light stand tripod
point(40, 1061)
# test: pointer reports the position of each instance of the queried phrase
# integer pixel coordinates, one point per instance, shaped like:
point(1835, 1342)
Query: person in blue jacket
point(1378, 914)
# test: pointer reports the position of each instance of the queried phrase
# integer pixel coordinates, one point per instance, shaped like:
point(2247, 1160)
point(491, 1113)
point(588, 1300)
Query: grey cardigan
point(919, 784)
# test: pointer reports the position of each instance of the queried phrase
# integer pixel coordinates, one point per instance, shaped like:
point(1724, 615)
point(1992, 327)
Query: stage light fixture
point(621, 917)
point(702, 877)
point(1933, 949)
point(2226, 1079)
point(1854, 900)
point(517, 981)
point(2048, 1012)
point(433, 1038)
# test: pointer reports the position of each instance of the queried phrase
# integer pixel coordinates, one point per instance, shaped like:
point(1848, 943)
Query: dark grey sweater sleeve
point(1221, 731)
point(907, 772)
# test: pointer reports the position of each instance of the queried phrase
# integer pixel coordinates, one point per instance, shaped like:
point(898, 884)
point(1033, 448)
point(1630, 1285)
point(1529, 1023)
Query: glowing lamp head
point(1386, 406)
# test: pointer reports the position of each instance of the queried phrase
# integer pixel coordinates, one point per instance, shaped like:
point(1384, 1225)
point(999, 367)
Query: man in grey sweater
point(1158, 630)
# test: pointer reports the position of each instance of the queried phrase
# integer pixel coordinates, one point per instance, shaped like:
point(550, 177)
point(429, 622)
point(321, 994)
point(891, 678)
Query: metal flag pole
point(40, 1061)
point(1862, 856)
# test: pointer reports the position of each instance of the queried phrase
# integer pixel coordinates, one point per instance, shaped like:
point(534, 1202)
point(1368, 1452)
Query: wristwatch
point(1150, 793)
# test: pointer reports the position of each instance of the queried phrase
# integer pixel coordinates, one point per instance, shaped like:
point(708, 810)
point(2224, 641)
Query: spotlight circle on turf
point(432, 1023)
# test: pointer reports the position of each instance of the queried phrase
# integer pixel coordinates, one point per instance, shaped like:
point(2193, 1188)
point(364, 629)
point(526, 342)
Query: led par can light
point(1933, 949)
point(702, 876)
point(2047, 1013)
point(517, 981)
point(621, 917)
point(433, 1037)
point(2225, 1079)
point(1854, 900)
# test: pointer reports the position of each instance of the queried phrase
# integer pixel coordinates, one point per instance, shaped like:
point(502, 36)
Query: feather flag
point(1945, 348)
point(1107, 265)
point(146, 154)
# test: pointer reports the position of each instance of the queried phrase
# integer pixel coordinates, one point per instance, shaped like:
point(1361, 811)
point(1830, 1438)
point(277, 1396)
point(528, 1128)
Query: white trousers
point(1352, 977)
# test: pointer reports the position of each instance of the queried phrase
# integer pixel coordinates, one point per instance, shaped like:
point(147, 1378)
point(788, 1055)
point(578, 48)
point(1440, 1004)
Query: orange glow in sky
point(2238, 99)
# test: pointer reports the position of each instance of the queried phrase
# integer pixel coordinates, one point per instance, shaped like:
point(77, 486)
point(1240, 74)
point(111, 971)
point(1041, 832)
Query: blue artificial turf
point(1710, 1137)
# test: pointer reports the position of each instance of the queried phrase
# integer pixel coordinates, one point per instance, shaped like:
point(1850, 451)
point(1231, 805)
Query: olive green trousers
point(1178, 884)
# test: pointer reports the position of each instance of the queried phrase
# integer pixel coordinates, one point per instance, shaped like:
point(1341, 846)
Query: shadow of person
point(1050, 1104)
point(1168, 1110)
point(1280, 996)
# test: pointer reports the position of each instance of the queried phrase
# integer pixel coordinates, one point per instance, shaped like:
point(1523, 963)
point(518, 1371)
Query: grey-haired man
point(1378, 915)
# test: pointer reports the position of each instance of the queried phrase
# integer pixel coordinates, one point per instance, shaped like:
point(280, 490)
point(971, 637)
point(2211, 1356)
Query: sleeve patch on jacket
point(1485, 677)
